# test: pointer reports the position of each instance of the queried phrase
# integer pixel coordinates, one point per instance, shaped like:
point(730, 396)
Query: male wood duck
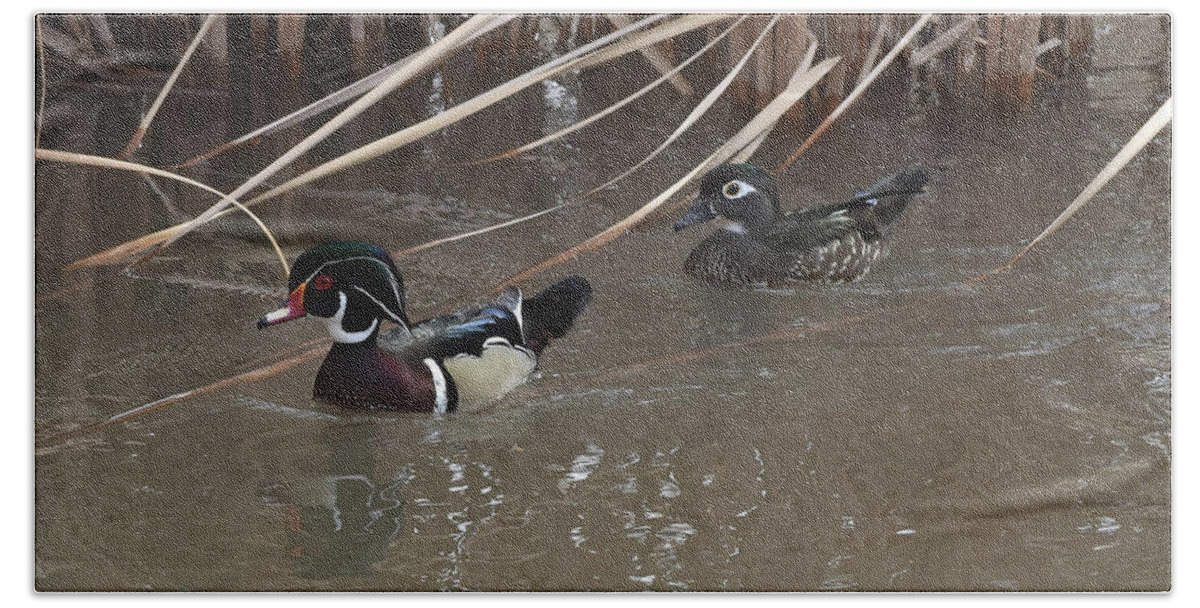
point(464, 358)
point(759, 244)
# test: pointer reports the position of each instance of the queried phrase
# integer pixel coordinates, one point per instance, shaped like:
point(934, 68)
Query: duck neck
point(352, 324)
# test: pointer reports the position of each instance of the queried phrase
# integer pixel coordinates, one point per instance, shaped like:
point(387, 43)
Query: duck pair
point(479, 355)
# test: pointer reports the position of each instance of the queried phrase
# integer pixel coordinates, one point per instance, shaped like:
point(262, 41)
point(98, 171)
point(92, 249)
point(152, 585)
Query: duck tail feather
point(891, 195)
point(551, 313)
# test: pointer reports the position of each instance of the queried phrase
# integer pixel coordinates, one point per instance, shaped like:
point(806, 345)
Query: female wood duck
point(468, 357)
point(759, 244)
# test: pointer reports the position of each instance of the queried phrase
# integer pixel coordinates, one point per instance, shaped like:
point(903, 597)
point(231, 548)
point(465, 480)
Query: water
point(901, 433)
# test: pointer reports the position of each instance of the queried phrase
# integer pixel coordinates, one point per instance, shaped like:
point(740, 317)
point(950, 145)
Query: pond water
point(899, 433)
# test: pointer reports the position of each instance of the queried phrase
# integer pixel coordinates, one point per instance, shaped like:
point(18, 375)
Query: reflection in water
point(346, 528)
point(731, 314)
point(341, 523)
point(345, 524)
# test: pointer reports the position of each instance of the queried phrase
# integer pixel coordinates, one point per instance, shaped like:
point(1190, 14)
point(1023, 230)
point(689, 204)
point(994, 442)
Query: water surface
point(900, 433)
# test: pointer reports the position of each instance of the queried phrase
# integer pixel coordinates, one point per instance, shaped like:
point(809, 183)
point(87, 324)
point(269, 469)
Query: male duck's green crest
point(349, 285)
point(469, 356)
point(757, 243)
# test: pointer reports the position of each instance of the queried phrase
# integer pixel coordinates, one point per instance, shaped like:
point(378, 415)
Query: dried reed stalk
point(576, 59)
point(358, 41)
point(657, 59)
point(474, 233)
point(696, 112)
point(561, 133)
point(854, 95)
point(764, 69)
point(329, 101)
point(110, 163)
point(250, 376)
point(78, 26)
point(807, 61)
point(762, 121)
point(792, 36)
point(1047, 46)
point(100, 27)
point(745, 153)
point(317, 107)
point(885, 22)
point(61, 43)
point(138, 135)
point(606, 111)
point(1149, 130)
point(217, 41)
point(289, 34)
point(944, 41)
point(432, 54)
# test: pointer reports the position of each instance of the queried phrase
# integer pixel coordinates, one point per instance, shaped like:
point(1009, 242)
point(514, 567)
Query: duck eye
point(323, 282)
point(731, 189)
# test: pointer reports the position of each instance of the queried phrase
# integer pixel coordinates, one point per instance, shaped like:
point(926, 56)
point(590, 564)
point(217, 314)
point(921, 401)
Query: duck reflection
point(347, 528)
point(733, 319)
point(341, 523)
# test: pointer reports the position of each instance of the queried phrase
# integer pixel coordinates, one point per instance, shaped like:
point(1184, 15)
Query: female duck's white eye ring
point(732, 189)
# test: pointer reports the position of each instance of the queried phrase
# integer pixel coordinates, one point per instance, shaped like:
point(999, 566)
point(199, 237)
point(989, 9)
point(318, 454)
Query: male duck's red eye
point(323, 282)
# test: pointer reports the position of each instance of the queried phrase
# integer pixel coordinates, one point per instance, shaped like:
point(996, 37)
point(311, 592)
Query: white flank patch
point(501, 368)
point(441, 400)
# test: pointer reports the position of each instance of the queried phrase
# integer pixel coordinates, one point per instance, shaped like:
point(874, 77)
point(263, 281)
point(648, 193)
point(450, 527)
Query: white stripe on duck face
point(339, 333)
point(392, 281)
point(500, 368)
point(395, 317)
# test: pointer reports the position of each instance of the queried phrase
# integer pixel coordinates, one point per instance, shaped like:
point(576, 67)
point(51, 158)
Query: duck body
point(464, 358)
point(758, 244)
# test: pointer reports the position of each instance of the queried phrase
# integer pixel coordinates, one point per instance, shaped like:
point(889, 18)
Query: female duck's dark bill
point(700, 212)
point(293, 310)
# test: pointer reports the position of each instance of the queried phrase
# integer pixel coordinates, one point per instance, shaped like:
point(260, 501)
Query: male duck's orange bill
point(293, 310)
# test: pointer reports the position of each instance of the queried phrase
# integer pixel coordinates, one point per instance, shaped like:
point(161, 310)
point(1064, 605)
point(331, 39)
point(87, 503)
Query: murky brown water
point(1013, 436)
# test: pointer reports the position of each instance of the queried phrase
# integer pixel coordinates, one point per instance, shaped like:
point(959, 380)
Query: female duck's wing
point(814, 227)
point(828, 243)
